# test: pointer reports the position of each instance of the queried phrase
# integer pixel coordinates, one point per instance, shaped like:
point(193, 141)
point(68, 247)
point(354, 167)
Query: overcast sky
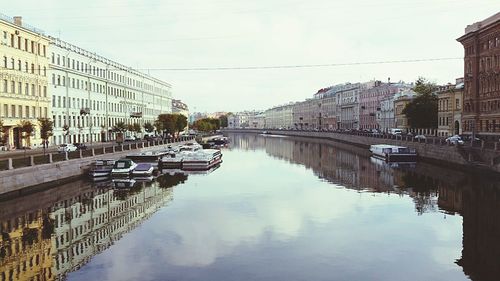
point(157, 35)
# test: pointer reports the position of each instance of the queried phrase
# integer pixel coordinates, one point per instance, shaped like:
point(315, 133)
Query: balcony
point(136, 115)
point(85, 111)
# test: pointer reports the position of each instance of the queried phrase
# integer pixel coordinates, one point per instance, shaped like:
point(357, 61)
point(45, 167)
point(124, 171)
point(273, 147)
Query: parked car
point(456, 140)
point(420, 137)
point(80, 146)
point(129, 138)
point(66, 147)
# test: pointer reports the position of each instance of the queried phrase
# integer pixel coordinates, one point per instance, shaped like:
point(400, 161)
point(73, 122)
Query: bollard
point(50, 158)
point(114, 149)
point(9, 164)
point(66, 156)
point(103, 150)
point(81, 154)
point(93, 152)
point(482, 144)
point(32, 160)
point(121, 147)
point(142, 144)
point(129, 146)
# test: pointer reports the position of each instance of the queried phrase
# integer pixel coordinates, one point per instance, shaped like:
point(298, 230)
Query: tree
point(207, 124)
point(223, 121)
point(66, 131)
point(27, 129)
point(136, 127)
point(422, 111)
point(148, 127)
point(167, 123)
point(119, 127)
point(46, 128)
point(180, 123)
point(1, 132)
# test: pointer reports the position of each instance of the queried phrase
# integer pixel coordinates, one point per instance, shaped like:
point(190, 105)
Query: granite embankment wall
point(20, 178)
point(428, 151)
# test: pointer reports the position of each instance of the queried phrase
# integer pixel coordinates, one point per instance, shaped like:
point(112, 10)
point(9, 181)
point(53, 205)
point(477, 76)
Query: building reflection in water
point(432, 188)
point(51, 233)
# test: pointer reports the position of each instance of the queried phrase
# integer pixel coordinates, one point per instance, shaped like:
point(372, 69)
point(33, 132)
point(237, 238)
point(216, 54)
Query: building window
point(27, 89)
point(53, 58)
point(20, 86)
point(5, 85)
point(12, 87)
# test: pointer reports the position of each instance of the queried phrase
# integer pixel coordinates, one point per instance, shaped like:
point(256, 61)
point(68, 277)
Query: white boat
point(393, 153)
point(123, 167)
point(101, 168)
point(190, 147)
point(123, 183)
point(171, 161)
point(202, 159)
point(143, 169)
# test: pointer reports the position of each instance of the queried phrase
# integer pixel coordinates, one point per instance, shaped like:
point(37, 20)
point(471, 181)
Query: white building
point(90, 94)
point(279, 117)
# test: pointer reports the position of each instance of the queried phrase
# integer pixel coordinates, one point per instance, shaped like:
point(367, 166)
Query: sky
point(172, 39)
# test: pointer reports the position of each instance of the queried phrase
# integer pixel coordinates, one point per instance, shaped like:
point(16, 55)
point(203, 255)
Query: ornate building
point(450, 109)
point(23, 80)
point(481, 104)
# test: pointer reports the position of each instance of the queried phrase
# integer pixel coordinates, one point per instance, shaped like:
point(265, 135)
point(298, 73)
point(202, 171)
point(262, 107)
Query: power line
point(265, 67)
point(302, 65)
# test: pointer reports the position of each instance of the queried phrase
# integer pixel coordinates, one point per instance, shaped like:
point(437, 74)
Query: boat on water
point(123, 167)
point(143, 170)
point(190, 147)
point(171, 161)
point(391, 153)
point(101, 168)
point(202, 159)
point(123, 183)
point(151, 157)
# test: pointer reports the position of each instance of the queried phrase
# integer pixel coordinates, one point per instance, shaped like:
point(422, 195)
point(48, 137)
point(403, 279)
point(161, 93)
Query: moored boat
point(101, 168)
point(123, 167)
point(143, 169)
point(171, 161)
point(202, 160)
point(393, 153)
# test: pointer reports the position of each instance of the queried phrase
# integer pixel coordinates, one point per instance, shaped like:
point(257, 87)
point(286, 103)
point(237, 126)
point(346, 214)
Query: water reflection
point(48, 234)
point(431, 187)
point(262, 219)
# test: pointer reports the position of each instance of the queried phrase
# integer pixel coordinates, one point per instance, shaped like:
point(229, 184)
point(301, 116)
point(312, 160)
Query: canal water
point(277, 208)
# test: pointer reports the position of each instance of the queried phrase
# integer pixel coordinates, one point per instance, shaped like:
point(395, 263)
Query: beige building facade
point(24, 94)
point(450, 109)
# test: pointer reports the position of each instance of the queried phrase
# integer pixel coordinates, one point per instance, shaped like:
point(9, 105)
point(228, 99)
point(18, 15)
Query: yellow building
point(450, 109)
point(25, 254)
point(23, 80)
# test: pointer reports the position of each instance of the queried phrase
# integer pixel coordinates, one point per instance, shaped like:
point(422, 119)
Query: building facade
point(91, 94)
point(279, 117)
point(450, 109)
point(481, 102)
point(385, 116)
point(179, 107)
point(400, 101)
point(24, 94)
point(370, 102)
point(348, 103)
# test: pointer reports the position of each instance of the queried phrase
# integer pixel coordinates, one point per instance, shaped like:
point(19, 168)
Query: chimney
point(18, 21)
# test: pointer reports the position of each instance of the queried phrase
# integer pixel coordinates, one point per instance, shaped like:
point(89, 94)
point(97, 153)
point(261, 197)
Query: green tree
point(136, 128)
point(223, 121)
point(66, 132)
point(1, 131)
point(46, 128)
point(167, 123)
point(119, 127)
point(148, 127)
point(27, 129)
point(180, 123)
point(422, 111)
point(207, 124)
